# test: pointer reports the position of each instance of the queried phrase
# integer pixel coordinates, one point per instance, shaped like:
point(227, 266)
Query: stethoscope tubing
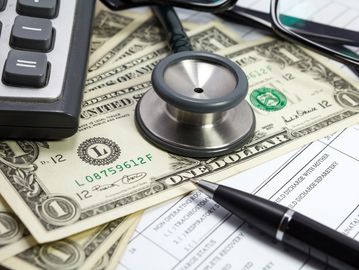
point(176, 35)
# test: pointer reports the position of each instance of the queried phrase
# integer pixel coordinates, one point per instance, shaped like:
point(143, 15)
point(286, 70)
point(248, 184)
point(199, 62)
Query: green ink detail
point(115, 169)
point(268, 99)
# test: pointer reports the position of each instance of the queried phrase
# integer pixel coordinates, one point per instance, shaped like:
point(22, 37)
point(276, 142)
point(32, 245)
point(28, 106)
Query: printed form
point(193, 232)
point(320, 180)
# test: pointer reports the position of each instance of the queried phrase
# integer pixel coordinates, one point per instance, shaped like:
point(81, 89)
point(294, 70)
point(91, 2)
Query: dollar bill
point(80, 251)
point(14, 237)
point(144, 32)
point(211, 38)
point(131, 68)
point(107, 24)
point(110, 260)
point(136, 46)
point(144, 28)
point(108, 170)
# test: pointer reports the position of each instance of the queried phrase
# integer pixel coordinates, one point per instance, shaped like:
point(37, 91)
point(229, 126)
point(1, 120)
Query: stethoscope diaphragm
point(196, 107)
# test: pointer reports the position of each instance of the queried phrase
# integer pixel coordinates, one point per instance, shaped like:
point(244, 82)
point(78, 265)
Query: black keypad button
point(31, 33)
point(2, 5)
point(26, 69)
point(37, 8)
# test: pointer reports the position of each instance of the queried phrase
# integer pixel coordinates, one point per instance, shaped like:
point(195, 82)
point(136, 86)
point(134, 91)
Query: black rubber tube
point(176, 36)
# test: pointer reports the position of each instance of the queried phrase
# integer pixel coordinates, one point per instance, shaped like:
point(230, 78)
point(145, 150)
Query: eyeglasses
point(200, 5)
point(293, 20)
point(296, 20)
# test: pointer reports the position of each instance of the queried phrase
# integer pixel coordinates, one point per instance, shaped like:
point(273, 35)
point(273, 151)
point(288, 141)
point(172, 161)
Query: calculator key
point(37, 8)
point(31, 33)
point(2, 5)
point(26, 69)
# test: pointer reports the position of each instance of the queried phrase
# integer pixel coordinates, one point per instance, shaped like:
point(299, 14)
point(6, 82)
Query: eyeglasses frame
point(286, 33)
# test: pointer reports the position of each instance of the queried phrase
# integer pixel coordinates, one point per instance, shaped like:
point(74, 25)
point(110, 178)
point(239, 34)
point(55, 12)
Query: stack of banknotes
point(74, 204)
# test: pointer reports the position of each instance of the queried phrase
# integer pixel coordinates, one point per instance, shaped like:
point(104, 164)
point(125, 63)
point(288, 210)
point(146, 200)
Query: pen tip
point(204, 186)
point(194, 181)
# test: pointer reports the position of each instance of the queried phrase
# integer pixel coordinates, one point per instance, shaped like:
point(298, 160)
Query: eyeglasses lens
point(333, 24)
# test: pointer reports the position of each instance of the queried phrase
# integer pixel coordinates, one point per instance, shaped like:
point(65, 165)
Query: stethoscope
point(196, 107)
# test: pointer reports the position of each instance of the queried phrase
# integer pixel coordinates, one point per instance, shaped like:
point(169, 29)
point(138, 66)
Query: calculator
point(44, 47)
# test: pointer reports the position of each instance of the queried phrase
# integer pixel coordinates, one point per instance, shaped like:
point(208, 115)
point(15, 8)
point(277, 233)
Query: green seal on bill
point(268, 99)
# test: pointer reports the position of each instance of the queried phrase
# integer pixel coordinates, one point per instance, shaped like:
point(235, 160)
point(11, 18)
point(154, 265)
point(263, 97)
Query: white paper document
point(319, 180)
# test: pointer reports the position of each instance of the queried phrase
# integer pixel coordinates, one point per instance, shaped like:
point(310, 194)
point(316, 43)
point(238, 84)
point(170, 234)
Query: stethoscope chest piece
point(197, 106)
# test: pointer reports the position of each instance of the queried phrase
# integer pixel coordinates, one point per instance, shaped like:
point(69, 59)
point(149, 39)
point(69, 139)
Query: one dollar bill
point(80, 251)
point(143, 32)
point(211, 37)
point(110, 260)
point(14, 237)
point(108, 170)
point(107, 24)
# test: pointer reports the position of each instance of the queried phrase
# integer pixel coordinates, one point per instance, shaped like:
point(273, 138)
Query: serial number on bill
point(115, 169)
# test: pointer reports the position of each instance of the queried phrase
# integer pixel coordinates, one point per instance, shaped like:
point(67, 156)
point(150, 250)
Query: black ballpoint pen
point(287, 226)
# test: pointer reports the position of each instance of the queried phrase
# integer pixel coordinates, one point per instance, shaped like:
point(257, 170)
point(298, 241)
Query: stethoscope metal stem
point(195, 119)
